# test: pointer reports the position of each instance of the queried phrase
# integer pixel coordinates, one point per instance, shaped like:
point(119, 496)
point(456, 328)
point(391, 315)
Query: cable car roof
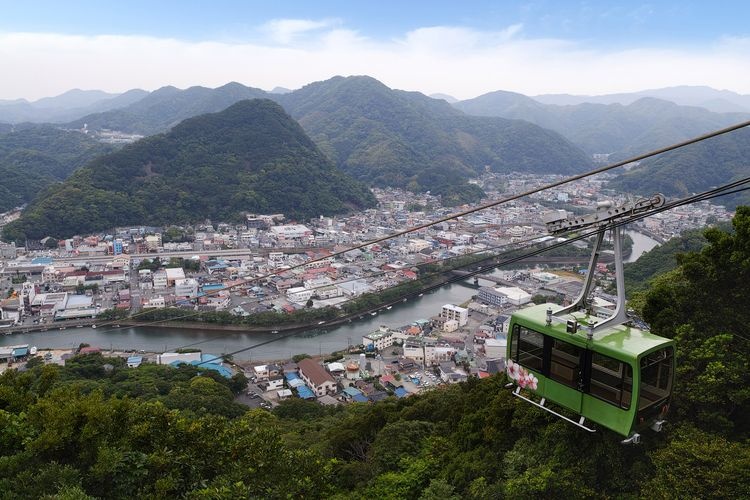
point(618, 341)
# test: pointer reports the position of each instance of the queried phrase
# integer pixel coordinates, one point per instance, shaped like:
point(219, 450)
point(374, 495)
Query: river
point(218, 341)
point(641, 245)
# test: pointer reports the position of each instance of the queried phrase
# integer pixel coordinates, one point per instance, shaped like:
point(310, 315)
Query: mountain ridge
point(250, 157)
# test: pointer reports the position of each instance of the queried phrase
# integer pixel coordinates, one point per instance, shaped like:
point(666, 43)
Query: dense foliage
point(35, 158)
point(623, 131)
point(661, 259)
point(251, 157)
point(703, 304)
point(693, 169)
point(395, 138)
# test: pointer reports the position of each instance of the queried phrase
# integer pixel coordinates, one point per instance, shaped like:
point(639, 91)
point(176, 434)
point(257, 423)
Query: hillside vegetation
point(394, 138)
point(83, 431)
point(693, 169)
point(381, 136)
point(37, 157)
point(251, 157)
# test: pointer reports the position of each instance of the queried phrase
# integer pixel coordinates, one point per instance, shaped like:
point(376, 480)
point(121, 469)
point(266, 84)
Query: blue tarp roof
point(305, 392)
point(400, 392)
point(135, 359)
point(291, 376)
point(42, 261)
point(224, 372)
point(351, 391)
point(295, 382)
point(360, 398)
point(20, 351)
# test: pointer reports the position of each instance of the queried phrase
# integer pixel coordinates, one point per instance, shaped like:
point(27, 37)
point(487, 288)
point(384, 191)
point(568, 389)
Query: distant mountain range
point(38, 157)
point(250, 157)
point(616, 129)
point(65, 107)
point(718, 101)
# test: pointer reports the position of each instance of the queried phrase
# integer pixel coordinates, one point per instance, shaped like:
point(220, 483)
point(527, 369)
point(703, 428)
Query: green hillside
point(693, 168)
point(394, 138)
point(88, 430)
point(381, 136)
point(251, 157)
point(37, 157)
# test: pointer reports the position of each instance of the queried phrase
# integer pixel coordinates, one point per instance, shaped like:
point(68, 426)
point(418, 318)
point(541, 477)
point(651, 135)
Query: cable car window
point(529, 348)
point(565, 363)
point(611, 380)
point(656, 377)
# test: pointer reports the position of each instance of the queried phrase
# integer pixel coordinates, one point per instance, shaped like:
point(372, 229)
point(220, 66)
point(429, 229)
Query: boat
point(274, 331)
point(404, 300)
point(389, 307)
point(421, 294)
point(373, 313)
point(93, 326)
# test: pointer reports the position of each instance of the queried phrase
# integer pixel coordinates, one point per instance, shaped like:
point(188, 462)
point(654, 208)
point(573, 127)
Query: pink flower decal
point(523, 378)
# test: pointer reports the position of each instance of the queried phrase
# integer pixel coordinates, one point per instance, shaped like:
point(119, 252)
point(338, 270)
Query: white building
point(381, 339)
point(451, 312)
point(186, 287)
point(160, 280)
point(299, 294)
point(291, 234)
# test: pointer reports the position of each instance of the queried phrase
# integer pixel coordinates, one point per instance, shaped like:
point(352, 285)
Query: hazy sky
point(458, 48)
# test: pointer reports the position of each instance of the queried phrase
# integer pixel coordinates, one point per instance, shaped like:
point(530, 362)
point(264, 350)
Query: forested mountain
point(71, 105)
point(394, 138)
point(83, 431)
point(384, 137)
point(166, 107)
point(34, 158)
point(250, 157)
point(693, 168)
point(622, 130)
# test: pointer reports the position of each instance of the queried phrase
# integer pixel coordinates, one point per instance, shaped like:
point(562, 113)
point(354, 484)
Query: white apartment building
point(452, 312)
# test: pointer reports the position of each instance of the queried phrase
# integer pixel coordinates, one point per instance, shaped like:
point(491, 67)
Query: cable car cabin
point(620, 379)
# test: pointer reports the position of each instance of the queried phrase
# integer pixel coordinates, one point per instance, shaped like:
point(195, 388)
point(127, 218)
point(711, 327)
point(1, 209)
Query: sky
point(462, 49)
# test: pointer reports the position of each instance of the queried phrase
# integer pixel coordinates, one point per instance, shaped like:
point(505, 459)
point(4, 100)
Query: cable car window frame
point(625, 374)
point(520, 336)
point(663, 360)
point(572, 361)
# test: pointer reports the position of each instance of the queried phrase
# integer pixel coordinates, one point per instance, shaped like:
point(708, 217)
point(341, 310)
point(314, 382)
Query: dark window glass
point(529, 348)
point(565, 363)
point(656, 377)
point(611, 380)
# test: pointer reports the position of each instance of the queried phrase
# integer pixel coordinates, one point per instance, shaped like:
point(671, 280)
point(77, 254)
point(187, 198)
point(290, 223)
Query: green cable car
point(585, 358)
point(621, 379)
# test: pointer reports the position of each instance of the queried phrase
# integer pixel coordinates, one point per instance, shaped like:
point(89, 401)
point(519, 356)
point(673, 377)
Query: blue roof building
point(360, 398)
point(305, 392)
point(400, 392)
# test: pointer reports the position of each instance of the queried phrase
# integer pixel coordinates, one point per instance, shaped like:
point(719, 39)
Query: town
point(269, 264)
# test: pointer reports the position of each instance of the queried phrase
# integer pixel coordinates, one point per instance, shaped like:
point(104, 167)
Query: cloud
point(287, 31)
point(455, 60)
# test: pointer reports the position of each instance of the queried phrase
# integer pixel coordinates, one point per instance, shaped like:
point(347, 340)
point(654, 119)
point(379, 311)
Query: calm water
point(641, 244)
point(218, 341)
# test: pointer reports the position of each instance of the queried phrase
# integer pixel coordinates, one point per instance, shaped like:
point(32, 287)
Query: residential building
point(315, 376)
point(379, 340)
point(452, 312)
